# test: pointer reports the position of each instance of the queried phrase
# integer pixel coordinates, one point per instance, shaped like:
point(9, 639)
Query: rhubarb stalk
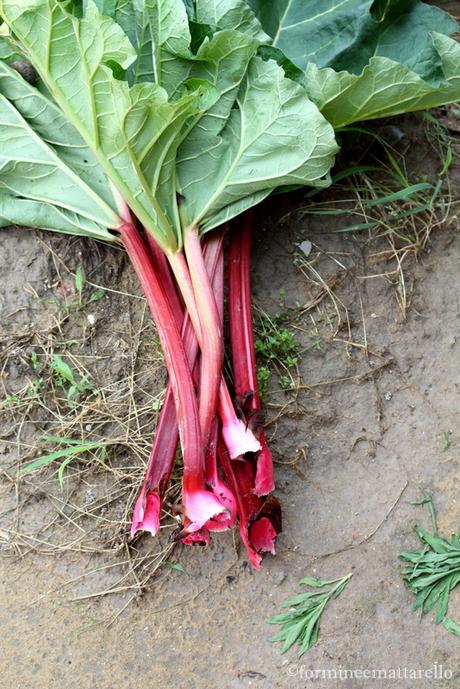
point(199, 504)
point(259, 519)
point(239, 438)
point(198, 295)
point(242, 345)
point(147, 508)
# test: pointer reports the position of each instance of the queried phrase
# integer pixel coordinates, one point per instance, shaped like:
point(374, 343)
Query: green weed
point(276, 346)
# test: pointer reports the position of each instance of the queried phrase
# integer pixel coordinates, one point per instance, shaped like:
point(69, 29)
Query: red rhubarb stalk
point(162, 269)
point(242, 345)
point(198, 503)
point(147, 508)
point(199, 299)
point(259, 519)
point(213, 257)
point(238, 436)
point(223, 521)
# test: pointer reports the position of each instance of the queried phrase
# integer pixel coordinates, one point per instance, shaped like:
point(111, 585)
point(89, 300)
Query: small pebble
point(306, 247)
point(387, 396)
point(89, 496)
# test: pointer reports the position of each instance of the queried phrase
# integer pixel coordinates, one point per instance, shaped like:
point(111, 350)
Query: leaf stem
point(175, 356)
point(198, 295)
point(146, 513)
point(242, 343)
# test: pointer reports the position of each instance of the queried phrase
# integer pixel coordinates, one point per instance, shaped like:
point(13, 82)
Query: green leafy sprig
point(433, 571)
point(300, 624)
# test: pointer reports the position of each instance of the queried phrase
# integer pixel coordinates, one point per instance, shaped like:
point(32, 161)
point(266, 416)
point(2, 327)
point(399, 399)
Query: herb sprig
point(433, 571)
point(301, 623)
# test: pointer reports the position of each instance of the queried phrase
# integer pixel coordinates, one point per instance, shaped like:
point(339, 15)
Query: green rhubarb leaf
point(131, 131)
point(273, 137)
point(365, 59)
point(344, 34)
point(380, 8)
point(159, 32)
point(384, 88)
point(30, 168)
point(223, 62)
point(229, 14)
point(44, 216)
point(7, 52)
point(190, 8)
point(269, 52)
point(105, 7)
point(49, 179)
point(33, 122)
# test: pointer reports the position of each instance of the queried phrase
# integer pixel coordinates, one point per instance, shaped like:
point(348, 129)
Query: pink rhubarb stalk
point(198, 295)
point(238, 436)
point(259, 520)
point(223, 521)
point(199, 504)
point(161, 266)
point(147, 509)
point(242, 345)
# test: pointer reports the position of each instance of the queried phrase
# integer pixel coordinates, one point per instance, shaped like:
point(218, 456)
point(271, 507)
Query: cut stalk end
point(146, 513)
point(239, 439)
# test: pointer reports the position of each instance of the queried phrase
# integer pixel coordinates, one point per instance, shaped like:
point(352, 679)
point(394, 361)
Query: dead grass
point(122, 390)
point(382, 198)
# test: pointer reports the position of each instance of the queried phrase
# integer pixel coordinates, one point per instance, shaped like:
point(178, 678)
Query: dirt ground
point(375, 417)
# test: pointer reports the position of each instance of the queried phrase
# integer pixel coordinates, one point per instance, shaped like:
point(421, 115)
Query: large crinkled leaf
point(384, 88)
point(130, 130)
point(273, 137)
point(159, 31)
point(229, 14)
point(106, 7)
point(381, 8)
point(44, 216)
point(53, 151)
point(30, 168)
point(403, 36)
point(365, 59)
point(223, 62)
point(344, 35)
point(49, 123)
